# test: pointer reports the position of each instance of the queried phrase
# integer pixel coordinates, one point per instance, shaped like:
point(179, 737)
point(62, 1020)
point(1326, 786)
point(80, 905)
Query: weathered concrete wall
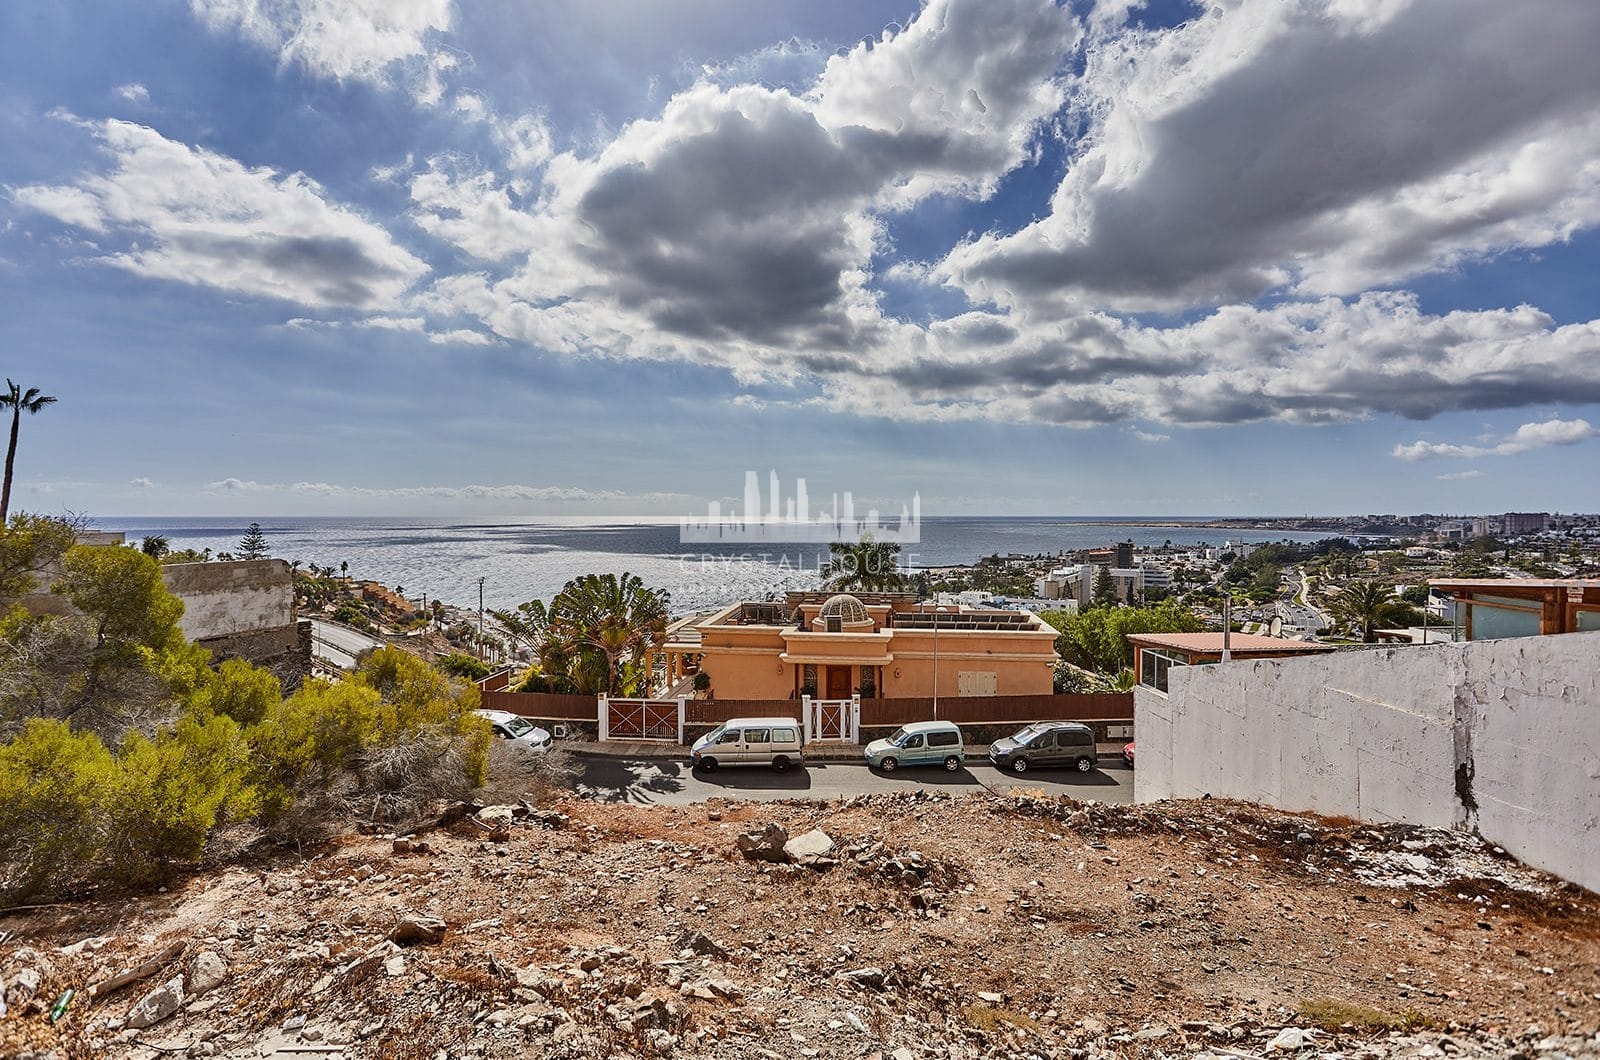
point(1498, 736)
point(225, 599)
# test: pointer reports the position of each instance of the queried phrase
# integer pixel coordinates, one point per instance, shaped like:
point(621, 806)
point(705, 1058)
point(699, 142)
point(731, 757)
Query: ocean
point(522, 560)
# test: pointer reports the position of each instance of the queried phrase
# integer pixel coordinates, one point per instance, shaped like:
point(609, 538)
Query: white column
point(805, 716)
point(683, 711)
point(854, 735)
point(604, 718)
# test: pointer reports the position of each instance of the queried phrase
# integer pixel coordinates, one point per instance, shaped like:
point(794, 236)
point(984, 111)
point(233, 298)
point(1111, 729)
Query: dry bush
point(402, 781)
point(517, 773)
point(315, 817)
point(1331, 1014)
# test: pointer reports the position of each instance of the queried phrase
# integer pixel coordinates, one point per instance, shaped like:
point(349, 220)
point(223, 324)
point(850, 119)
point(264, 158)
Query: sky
point(568, 258)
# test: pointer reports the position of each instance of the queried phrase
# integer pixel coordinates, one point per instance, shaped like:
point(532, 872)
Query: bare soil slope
point(939, 926)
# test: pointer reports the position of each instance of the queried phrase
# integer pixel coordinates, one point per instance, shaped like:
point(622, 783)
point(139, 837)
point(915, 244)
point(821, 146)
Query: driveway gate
point(833, 720)
point(641, 719)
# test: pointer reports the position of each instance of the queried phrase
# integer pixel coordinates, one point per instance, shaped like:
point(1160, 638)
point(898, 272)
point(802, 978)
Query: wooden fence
point(543, 705)
point(971, 710)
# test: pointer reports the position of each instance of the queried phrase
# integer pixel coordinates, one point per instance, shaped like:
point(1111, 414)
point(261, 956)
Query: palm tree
point(18, 401)
point(872, 566)
point(155, 545)
point(1368, 605)
point(616, 617)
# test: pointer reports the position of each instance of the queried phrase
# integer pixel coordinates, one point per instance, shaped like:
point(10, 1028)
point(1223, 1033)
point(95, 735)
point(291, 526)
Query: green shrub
point(238, 690)
point(351, 615)
point(460, 664)
point(308, 740)
point(54, 784)
point(172, 790)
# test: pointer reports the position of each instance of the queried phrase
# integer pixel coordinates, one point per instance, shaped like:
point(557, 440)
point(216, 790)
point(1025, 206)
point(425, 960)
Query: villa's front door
point(838, 682)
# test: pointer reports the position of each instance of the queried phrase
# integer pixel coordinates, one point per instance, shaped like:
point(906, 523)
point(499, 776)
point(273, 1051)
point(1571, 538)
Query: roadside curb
point(679, 752)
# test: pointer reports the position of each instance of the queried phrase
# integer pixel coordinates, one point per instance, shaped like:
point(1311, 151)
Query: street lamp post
point(482, 651)
point(937, 611)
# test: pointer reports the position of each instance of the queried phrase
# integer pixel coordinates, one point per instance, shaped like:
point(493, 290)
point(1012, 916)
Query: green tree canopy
point(29, 546)
point(253, 545)
point(1097, 639)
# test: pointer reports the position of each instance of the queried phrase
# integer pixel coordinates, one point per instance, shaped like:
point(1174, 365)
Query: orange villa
point(875, 644)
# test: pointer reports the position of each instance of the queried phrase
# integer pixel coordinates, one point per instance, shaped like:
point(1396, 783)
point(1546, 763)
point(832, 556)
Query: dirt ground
point(966, 926)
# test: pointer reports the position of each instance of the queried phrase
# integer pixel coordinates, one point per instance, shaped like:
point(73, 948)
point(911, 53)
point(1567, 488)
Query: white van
point(775, 742)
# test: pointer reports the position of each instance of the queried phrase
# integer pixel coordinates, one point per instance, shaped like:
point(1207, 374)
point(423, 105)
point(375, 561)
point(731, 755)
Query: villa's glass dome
point(851, 612)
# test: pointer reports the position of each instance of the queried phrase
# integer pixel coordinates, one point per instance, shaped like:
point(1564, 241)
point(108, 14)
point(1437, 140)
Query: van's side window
point(915, 741)
point(784, 736)
point(1077, 737)
point(756, 735)
point(943, 739)
point(730, 736)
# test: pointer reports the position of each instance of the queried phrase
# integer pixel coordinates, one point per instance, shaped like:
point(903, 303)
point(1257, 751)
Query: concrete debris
point(417, 928)
point(812, 848)
point(157, 1005)
point(206, 972)
point(700, 944)
point(764, 844)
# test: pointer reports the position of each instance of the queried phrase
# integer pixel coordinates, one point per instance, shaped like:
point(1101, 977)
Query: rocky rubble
point(897, 926)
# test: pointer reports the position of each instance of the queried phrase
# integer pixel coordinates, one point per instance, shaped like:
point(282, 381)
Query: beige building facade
point(873, 644)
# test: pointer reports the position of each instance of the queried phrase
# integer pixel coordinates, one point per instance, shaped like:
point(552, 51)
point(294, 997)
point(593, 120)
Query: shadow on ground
point(758, 778)
point(629, 780)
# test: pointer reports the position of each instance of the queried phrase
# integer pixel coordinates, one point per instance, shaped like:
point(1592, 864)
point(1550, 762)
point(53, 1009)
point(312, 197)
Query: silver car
point(517, 729)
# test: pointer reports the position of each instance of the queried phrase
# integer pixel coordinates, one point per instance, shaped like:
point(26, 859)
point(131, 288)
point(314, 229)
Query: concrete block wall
point(1501, 737)
point(225, 599)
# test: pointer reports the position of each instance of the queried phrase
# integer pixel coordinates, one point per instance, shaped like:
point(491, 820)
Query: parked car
point(517, 729)
point(1046, 743)
point(775, 742)
point(921, 743)
point(1127, 753)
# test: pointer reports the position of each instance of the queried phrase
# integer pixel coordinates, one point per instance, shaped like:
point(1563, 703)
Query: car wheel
point(888, 765)
point(708, 765)
point(780, 764)
point(1084, 764)
point(952, 763)
point(1019, 765)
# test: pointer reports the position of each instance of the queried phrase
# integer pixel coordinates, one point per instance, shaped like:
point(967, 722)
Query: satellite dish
point(1275, 627)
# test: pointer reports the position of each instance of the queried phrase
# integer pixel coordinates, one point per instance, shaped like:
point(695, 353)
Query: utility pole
point(481, 651)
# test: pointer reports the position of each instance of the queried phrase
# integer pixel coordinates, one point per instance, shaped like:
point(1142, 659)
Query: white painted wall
point(1500, 736)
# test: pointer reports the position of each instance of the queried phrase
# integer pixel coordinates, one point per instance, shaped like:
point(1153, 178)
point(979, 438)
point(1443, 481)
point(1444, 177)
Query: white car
point(517, 729)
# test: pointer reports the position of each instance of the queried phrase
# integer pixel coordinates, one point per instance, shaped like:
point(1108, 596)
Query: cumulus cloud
point(197, 217)
point(1526, 438)
point(465, 206)
point(739, 225)
point(134, 93)
point(1459, 476)
point(142, 483)
point(344, 40)
point(1325, 146)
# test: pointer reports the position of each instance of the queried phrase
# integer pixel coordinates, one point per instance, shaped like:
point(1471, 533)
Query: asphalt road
point(338, 644)
point(672, 783)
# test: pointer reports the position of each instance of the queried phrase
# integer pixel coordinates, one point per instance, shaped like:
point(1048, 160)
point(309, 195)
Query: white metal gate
point(833, 720)
point(641, 719)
